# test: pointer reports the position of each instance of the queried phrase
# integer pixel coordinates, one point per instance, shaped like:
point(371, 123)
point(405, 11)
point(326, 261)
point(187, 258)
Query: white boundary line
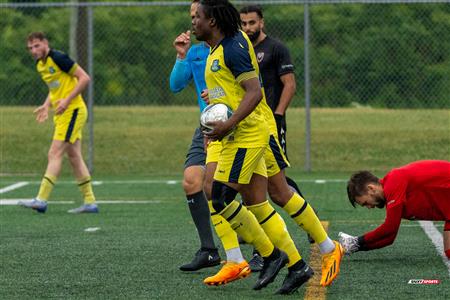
point(15, 201)
point(173, 181)
point(13, 186)
point(436, 237)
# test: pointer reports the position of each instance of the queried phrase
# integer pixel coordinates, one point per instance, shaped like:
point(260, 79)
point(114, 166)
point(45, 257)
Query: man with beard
point(417, 191)
point(66, 81)
point(277, 72)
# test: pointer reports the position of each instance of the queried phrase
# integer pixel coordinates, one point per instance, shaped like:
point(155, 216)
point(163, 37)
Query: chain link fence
point(379, 54)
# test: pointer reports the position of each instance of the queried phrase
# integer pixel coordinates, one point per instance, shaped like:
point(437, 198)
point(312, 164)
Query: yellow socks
point(246, 226)
point(226, 234)
point(305, 217)
point(47, 184)
point(275, 228)
point(85, 186)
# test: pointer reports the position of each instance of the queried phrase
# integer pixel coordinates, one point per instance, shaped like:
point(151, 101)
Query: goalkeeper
point(417, 191)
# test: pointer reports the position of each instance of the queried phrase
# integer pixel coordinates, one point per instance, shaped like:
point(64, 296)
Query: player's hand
point(41, 113)
point(221, 129)
point(348, 242)
point(62, 105)
point(182, 44)
point(205, 96)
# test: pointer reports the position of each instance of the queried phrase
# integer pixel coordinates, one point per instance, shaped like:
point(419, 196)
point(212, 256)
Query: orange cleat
point(231, 271)
point(331, 263)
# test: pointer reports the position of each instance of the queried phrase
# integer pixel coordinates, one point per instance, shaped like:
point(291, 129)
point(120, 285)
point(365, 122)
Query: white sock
point(326, 246)
point(234, 255)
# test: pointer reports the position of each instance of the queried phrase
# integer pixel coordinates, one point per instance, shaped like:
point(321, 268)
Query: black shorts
point(196, 155)
point(281, 128)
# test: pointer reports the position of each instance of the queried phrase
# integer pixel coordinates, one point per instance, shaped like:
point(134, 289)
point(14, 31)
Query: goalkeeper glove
point(349, 243)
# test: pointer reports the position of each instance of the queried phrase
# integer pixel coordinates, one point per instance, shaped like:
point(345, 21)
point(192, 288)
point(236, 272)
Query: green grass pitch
point(137, 250)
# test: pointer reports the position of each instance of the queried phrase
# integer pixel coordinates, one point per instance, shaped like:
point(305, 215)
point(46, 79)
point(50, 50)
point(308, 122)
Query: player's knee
point(192, 185)
point(222, 195)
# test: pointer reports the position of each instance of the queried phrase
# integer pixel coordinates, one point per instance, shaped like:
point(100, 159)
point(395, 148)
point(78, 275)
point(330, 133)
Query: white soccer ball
point(213, 113)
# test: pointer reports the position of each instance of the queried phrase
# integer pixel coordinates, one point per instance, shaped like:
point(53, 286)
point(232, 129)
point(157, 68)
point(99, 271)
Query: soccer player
point(66, 81)
point(279, 83)
point(277, 70)
point(190, 65)
point(232, 79)
point(417, 191)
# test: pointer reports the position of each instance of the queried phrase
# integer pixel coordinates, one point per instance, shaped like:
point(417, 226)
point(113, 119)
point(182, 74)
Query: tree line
point(380, 55)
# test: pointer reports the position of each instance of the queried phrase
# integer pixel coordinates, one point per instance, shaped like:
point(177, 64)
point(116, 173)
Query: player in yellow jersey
point(279, 186)
point(232, 79)
point(66, 81)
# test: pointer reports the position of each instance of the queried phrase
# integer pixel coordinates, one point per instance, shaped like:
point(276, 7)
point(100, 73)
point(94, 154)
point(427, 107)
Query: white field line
point(13, 186)
point(174, 181)
point(436, 237)
point(15, 201)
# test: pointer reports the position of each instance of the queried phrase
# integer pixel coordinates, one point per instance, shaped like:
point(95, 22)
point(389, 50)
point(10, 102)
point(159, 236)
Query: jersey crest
point(215, 65)
point(260, 56)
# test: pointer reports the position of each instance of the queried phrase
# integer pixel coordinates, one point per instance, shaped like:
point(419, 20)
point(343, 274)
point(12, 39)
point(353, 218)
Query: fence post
point(90, 54)
point(307, 90)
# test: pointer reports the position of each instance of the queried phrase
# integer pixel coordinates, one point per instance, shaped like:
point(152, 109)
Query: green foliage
point(381, 55)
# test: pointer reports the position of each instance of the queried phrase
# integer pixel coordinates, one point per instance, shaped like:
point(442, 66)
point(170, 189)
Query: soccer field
point(144, 232)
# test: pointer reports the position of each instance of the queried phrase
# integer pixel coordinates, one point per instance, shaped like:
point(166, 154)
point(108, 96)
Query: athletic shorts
point(237, 165)
point(213, 152)
point(196, 155)
point(275, 158)
point(69, 125)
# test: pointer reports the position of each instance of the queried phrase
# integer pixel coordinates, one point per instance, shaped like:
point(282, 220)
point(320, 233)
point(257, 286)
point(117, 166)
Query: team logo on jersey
point(215, 65)
point(51, 70)
point(260, 56)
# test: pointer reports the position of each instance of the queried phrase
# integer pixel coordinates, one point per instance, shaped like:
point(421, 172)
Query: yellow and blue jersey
point(57, 71)
point(229, 63)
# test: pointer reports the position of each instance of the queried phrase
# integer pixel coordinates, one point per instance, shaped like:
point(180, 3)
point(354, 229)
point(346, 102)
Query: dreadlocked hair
point(226, 15)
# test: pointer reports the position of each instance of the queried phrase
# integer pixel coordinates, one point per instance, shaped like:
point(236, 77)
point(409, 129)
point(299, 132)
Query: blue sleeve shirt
point(192, 67)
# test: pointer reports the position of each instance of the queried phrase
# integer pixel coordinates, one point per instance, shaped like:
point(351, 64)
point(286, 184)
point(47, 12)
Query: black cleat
point(272, 265)
point(204, 258)
point(257, 262)
point(295, 279)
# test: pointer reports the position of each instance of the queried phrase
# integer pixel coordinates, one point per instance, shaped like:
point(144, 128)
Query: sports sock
point(47, 184)
point(85, 186)
point(235, 255)
point(246, 226)
point(198, 206)
point(275, 228)
point(305, 217)
point(226, 234)
point(326, 246)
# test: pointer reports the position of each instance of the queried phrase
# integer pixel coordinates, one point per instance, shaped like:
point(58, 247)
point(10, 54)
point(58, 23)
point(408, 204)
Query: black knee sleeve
point(294, 186)
point(222, 195)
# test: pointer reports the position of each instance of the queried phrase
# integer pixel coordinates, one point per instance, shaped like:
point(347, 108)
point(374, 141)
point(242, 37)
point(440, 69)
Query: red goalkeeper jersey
point(417, 191)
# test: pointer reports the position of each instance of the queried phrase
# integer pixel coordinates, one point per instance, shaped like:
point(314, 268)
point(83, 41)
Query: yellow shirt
point(57, 72)
point(229, 63)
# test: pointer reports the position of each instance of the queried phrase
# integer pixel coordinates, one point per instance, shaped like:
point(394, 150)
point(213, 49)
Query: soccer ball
point(212, 113)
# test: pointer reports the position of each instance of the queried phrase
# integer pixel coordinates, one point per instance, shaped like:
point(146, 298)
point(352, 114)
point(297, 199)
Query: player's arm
point(83, 80)
point(385, 234)
point(288, 92)
point(181, 73)
point(42, 111)
point(285, 70)
point(382, 236)
point(252, 97)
